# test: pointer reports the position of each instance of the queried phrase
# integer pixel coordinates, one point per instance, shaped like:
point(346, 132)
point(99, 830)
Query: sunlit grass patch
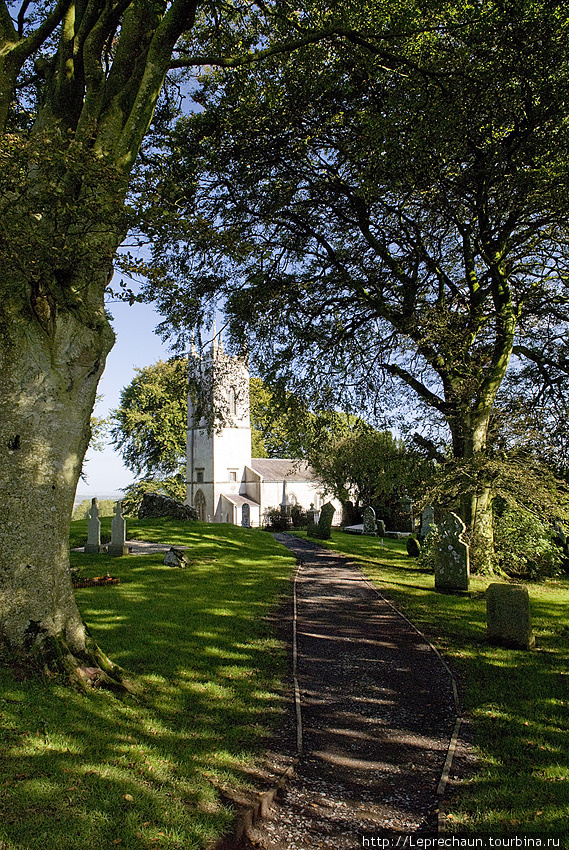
point(83, 771)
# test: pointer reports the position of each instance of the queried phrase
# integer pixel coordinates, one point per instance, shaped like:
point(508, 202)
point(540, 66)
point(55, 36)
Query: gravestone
point(246, 516)
point(93, 529)
point(312, 515)
point(381, 528)
point(452, 567)
point(118, 546)
point(427, 521)
point(370, 526)
point(508, 616)
point(325, 522)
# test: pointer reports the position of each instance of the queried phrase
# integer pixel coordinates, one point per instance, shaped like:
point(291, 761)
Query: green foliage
point(374, 468)
point(106, 508)
point(149, 426)
point(413, 547)
point(524, 545)
point(402, 219)
point(298, 516)
point(274, 520)
point(174, 487)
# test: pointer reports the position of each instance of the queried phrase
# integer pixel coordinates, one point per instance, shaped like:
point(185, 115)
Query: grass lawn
point(98, 771)
point(518, 701)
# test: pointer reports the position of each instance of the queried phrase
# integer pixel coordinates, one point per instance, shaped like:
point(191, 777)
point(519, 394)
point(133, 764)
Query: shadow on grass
point(81, 771)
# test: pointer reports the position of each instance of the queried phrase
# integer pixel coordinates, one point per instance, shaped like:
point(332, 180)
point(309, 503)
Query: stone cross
point(118, 546)
point(508, 616)
point(369, 521)
point(452, 567)
point(427, 521)
point(246, 516)
point(93, 529)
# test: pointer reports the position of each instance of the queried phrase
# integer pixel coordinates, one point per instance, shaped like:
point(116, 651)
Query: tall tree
point(79, 86)
point(402, 214)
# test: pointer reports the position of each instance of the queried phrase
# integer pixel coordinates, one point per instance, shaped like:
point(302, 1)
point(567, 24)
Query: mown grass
point(518, 701)
point(95, 770)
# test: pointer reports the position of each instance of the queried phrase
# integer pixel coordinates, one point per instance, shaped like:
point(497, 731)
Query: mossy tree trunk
point(64, 178)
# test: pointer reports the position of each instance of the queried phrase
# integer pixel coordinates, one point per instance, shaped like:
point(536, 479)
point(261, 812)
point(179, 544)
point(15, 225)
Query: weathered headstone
point(370, 526)
point(118, 546)
point(246, 516)
point(325, 522)
point(93, 529)
point(381, 528)
point(508, 616)
point(427, 521)
point(452, 567)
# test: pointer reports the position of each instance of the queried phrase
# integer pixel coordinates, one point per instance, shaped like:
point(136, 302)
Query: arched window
point(200, 505)
point(232, 402)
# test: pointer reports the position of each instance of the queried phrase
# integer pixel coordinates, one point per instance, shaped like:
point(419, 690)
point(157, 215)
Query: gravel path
point(377, 716)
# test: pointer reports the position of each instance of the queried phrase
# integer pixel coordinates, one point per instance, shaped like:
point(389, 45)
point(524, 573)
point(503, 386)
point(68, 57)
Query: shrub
point(524, 545)
point(413, 547)
point(173, 487)
point(298, 516)
point(274, 520)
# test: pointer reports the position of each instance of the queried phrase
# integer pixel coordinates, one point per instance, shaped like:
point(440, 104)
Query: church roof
point(238, 499)
point(277, 469)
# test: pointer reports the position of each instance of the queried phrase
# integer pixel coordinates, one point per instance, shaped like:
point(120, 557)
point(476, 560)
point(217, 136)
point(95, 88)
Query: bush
point(156, 505)
point(106, 508)
point(274, 520)
point(173, 488)
point(413, 547)
point(298, 516)
point(524, 545)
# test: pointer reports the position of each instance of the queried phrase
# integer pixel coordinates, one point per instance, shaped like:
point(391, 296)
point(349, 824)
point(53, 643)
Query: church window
point(200, 505)
point(199, 476)
point(232, 475)
point(232, 401)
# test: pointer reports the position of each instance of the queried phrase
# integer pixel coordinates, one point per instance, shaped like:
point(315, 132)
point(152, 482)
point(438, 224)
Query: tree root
point(48, 656)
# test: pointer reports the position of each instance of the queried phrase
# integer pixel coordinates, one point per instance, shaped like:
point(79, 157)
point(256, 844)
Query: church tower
point(219, 433)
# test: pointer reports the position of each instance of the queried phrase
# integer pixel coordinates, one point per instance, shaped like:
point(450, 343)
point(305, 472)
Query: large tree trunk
point(469, 434)
point(50, 364)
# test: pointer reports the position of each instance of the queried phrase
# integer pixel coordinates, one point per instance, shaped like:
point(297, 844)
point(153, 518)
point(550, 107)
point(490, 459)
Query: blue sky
point(137, 345)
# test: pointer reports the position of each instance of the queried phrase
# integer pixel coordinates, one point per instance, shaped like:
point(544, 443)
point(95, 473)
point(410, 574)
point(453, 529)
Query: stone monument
point(427, 521)
point(118, 546)
point(381, 528)
point(508, 616)
point(93, 529)
point(322, 531)
point(452, 568)
point(370, 526)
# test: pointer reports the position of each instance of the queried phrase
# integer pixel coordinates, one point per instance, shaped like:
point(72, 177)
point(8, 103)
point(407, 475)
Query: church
point(224, 483)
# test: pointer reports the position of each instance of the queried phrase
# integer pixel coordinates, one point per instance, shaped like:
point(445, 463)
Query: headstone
point(508, 616)
point(312, 515)
point(381, 528)
point(452, 567)
point(175, 558)
point(427, 521)
point(370, 526)
point(325, 522)
point(93, 529)
point(246, 516)
point(118, 546)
